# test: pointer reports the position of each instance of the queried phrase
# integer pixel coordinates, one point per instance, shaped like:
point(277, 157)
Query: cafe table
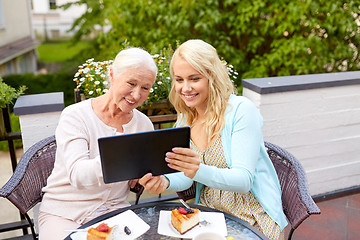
point(149, 213)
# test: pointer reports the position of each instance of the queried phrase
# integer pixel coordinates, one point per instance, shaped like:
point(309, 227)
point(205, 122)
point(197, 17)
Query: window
point(52, 4)
point(2, 17)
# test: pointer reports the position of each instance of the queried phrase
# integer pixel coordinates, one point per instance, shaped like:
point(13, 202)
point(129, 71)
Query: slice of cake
point(101, 232)
point(184, 219)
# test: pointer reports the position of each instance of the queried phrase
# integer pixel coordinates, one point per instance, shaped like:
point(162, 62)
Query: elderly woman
point(76, 192)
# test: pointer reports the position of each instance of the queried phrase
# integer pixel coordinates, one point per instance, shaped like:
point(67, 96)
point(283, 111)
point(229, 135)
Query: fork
point(202, 223)
point(184, 203)
point(75, 230)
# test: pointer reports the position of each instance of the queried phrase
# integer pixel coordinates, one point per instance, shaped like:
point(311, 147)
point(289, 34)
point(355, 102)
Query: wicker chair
point(296, 199)
point(24, 187)
point(297, 202)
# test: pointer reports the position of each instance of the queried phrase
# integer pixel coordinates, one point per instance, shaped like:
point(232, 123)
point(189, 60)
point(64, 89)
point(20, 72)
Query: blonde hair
point(204, 59)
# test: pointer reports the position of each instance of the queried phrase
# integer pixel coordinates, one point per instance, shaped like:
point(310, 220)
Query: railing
point(157, 120)
point(10, 136)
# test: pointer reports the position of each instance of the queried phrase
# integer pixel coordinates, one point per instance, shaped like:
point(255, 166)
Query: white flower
point(77, 74)
point(97, 83)
point(151, 90)
point(91, 92)
point(159, 82)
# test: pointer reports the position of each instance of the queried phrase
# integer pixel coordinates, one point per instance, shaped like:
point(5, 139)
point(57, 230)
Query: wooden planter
point(162, 107)
point(3, 132)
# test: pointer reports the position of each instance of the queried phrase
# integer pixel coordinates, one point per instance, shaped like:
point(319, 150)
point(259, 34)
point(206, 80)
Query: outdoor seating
point(296, 199)
point(24, 187)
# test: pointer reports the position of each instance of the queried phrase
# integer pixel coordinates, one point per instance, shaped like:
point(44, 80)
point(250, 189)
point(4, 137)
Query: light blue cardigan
point(250, 168)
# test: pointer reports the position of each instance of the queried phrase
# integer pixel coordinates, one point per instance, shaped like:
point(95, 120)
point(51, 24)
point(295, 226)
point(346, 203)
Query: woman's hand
point(154, 184)
point(184, 160)
point(133, 182)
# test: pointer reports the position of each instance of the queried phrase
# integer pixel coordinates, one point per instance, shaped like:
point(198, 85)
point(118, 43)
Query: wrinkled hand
point(154, 184)
point(184, 160)
point(133, 182)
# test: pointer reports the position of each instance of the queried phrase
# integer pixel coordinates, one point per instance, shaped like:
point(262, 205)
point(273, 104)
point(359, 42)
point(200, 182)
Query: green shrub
point(44, 83)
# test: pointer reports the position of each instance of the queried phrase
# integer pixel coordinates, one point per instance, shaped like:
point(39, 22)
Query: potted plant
point(7, 95)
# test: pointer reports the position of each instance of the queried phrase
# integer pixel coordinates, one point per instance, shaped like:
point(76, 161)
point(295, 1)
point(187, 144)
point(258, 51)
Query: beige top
point(75, 188)
point(242, 205)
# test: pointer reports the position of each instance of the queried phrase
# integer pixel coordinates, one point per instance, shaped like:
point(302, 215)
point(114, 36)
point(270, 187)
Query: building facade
point(17, 44)
point(51, 23)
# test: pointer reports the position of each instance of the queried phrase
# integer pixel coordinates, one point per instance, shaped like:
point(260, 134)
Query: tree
point(261, 38)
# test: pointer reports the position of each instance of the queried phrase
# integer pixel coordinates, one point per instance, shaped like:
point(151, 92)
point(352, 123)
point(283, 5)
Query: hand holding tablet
point(131, 156)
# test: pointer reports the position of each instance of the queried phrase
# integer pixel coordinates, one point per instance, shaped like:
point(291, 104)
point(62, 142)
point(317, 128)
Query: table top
point(149, 212)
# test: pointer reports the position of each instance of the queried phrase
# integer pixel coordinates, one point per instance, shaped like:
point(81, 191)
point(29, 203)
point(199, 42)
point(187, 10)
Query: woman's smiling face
point(192, 87)
point(131, 87)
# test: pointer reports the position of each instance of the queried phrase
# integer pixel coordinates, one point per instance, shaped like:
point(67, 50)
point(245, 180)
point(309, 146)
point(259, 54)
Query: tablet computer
point(130, 156)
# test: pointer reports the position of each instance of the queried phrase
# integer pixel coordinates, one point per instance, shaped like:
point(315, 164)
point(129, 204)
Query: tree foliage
point(260, 38)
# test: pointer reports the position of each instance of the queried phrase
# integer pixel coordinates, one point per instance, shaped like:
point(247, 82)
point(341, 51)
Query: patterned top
point(244, 206)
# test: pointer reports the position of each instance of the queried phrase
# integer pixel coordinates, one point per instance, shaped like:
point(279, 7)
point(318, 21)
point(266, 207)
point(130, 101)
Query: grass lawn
point(60, 51)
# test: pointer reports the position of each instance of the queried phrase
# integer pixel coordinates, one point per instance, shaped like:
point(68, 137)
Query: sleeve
point(178, 181)
point(245, 141)
point(73, 144)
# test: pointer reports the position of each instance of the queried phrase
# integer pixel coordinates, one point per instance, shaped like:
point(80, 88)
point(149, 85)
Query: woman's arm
point(73, 151)
point(245, 141)
point(242, 151)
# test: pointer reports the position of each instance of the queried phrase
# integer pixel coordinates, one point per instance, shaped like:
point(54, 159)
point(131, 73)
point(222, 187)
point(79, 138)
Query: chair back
point(188, 193)
point(24, 188)
point(296, 199)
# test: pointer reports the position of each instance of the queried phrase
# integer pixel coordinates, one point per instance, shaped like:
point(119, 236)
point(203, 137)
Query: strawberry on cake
point(101, 232)
point(184, 219)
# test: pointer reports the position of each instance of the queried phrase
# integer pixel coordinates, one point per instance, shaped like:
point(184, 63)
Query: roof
point(15, 49)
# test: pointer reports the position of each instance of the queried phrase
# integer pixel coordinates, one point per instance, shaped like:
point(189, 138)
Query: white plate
point(216, 219)
point(128, 218)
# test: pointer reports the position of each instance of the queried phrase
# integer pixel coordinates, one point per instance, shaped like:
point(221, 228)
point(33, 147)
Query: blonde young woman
point(227, 159)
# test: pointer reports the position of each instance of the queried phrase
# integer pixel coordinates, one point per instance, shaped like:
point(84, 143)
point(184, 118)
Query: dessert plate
point(216, 223)
point(128, 218)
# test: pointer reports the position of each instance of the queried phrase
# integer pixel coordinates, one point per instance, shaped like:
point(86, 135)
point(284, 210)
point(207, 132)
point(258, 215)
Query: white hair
point(133, 58)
